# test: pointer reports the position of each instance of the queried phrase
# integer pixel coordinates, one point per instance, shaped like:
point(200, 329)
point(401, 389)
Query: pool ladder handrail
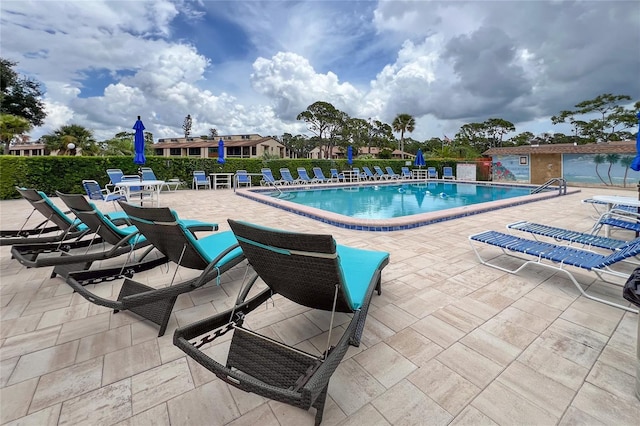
point(562, 186)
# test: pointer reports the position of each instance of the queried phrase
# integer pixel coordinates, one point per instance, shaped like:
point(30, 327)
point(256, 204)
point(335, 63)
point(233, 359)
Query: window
point(175, 152)
point(193, 152)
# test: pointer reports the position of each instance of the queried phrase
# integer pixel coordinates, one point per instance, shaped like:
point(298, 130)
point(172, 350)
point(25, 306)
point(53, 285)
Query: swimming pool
point(379, 206)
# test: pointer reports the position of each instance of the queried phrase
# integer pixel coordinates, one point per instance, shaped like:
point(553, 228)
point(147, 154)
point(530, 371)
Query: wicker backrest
point(91, 216)
point(304, 268)
point(161, 227)
point(45, 206)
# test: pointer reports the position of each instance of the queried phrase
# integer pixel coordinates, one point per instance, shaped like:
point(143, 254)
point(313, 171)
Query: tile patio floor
point(449, 341)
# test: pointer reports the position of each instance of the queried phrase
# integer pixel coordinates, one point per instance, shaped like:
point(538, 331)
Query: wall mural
point(510, 168)
point(594, 169)
point(599, 169)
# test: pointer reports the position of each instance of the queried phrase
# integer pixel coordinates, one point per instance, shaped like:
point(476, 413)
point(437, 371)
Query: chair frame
point(259, 364)
point(556, 257)
point(432, 173)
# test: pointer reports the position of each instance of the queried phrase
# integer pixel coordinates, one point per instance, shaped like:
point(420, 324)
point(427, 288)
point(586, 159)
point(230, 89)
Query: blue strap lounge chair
point(174, 239)
point(148, 174)
point(242, 178)
point(557, 257)
point(115, 177)
point(200, 179)
point(268, 179)
point(287, 177)
point(391, 173)
point(618, 219)
point(357, 174)
point(432, 173)
point(447, 173)
point(303, 176)
point(570, 236)
point(95, 193)
point(335, 176)
point(380, 173)
point(405, 173)
point(369, 174)
point(319, 175)
point(307, 269)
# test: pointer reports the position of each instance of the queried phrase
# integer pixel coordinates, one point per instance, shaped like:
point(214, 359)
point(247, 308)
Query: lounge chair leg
point(319, 405)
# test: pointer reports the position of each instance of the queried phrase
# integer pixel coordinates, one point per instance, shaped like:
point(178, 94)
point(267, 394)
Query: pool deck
point(449, 341)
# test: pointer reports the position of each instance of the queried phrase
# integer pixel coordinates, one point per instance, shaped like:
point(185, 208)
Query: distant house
point(28, 149)
point(337, 152)
point(235, 146)
point(604, 163)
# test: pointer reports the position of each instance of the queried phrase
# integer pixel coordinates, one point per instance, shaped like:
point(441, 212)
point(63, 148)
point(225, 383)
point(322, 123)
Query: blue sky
point(253, 66)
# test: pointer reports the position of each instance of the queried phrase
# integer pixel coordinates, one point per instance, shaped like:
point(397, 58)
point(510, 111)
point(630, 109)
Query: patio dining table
point(151, 187)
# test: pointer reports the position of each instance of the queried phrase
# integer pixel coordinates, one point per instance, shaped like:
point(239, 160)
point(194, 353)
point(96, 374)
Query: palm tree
point(599, 159)
point(403, 123)
point(81, 137)
point(612, 159)
point(12, 126)
point(625, 162)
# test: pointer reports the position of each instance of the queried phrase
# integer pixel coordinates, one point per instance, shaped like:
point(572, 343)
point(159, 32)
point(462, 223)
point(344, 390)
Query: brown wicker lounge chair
point(56, 227)
point(107, 241)
point(174, 238)
point(311, 270)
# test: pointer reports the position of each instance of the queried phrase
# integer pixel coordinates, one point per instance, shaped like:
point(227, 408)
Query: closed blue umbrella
point(221, 151)
point(635, 165)
point(138, 143)
point(419, 161)
point(350, 155)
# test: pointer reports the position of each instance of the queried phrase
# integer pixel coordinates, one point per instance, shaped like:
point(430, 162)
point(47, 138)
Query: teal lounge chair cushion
point(356, 265)
point(213, 245)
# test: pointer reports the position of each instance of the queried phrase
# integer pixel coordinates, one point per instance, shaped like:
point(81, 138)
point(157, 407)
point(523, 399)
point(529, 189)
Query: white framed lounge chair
point(432, 173)
point(391, 173)
point(586, 240)
point(558, 258)
point(200, 179)
point(447, 173)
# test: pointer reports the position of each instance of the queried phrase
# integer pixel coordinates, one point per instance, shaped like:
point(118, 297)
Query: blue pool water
point(386, 201)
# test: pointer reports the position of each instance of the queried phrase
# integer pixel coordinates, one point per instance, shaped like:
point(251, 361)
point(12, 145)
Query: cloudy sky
point(252, 66)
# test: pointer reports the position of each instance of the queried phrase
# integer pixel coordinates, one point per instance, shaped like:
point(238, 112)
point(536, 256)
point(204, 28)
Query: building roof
point(209, 143)
point(617, 147)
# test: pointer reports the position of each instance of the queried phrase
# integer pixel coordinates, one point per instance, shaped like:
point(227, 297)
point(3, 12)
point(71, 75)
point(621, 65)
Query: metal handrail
point(562, 186)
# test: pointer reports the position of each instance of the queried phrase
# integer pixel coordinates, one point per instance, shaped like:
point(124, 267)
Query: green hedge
point(65, 173)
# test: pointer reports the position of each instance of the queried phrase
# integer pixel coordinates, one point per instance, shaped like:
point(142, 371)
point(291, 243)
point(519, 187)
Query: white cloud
point(447, 63)
point(291, 82)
